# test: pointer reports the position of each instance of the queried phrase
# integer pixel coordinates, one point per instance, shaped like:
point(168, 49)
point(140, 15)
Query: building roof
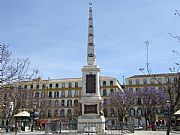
point(163, 74)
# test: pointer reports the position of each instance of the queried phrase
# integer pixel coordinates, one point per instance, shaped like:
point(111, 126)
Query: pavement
point(141, 132)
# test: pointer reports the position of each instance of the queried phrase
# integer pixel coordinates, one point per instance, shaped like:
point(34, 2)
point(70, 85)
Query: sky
point(53, 35)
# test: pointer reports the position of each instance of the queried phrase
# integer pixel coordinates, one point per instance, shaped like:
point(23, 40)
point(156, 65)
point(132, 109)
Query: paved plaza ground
point(142, 132)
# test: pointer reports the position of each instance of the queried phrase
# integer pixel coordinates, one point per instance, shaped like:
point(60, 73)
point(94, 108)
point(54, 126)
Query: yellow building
point(137, 82)
point(57, 99)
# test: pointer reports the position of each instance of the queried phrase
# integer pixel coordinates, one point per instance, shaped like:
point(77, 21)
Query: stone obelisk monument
point(92, 117)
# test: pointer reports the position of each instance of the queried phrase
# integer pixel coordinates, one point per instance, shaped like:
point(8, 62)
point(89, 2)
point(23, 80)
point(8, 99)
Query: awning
point(22, 114)
point(177, 113)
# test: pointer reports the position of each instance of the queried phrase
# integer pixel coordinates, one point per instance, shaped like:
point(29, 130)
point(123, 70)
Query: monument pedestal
point(91, 124)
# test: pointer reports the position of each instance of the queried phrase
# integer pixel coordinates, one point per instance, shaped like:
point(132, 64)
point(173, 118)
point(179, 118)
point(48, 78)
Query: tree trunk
point(168, 125)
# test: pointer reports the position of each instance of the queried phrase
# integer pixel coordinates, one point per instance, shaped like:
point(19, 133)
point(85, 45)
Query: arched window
point(111, 83)
point(132, 113)
point(111, 91)
point(104, 92)
point(69, 113)
point(62, 113)
point(139, 112)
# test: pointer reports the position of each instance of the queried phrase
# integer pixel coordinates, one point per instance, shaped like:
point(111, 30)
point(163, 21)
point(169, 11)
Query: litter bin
point(130, 127)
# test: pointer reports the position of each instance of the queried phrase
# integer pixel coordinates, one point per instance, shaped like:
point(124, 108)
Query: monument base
point(91, 124)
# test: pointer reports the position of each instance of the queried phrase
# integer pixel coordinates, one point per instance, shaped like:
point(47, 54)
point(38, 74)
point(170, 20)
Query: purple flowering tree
point(120, 102)
point(151, 99)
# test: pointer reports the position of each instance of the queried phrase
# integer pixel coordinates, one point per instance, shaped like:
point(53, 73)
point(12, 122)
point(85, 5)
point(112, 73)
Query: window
point(50, 94)
point(49, 113)
point(50, 85)
point(75, 102)
point(144, 81)
point(104, 83)
point(168, 80)
point(31, 86)
point(131, 89)
point(62, 103)
point(56, 103)
point(111, 83)
point(137, 89)
point(90, 55)
point(62, 114)
point(69, 102)
point(139, 101)
point(90, 26)
point(69, 113)
point(37, 86)
point(69, 93)
point(90, 18)
point(44, 86)
point(57, 85)
point(111, 91)
point(55, 113)
point(137, 81)
point(63, 85)
point(70, 85)
point(160, 88)
point(104, 92)
point(76, 93)
point(76, 84)
point(175, 79)
point(90, 44)
point(37, 95)
point(63, 94)
point(130, 82)
point(160, 79)
point(25, 86)
point(43, 94)
point(90, 34)
point(56, 94)
point(152, 80)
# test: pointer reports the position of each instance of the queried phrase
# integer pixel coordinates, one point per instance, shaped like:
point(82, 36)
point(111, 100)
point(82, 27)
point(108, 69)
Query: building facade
point(136, 83)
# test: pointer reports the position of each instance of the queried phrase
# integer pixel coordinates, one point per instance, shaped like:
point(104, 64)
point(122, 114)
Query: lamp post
point(168, 103)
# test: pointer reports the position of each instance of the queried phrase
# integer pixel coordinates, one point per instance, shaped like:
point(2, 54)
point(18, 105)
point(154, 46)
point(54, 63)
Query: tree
point(120, 102)
point(12, 73)
point(172, 88)
point(151, 99)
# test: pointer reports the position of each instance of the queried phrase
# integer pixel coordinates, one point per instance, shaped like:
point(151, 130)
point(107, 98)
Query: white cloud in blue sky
point(53, 34)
